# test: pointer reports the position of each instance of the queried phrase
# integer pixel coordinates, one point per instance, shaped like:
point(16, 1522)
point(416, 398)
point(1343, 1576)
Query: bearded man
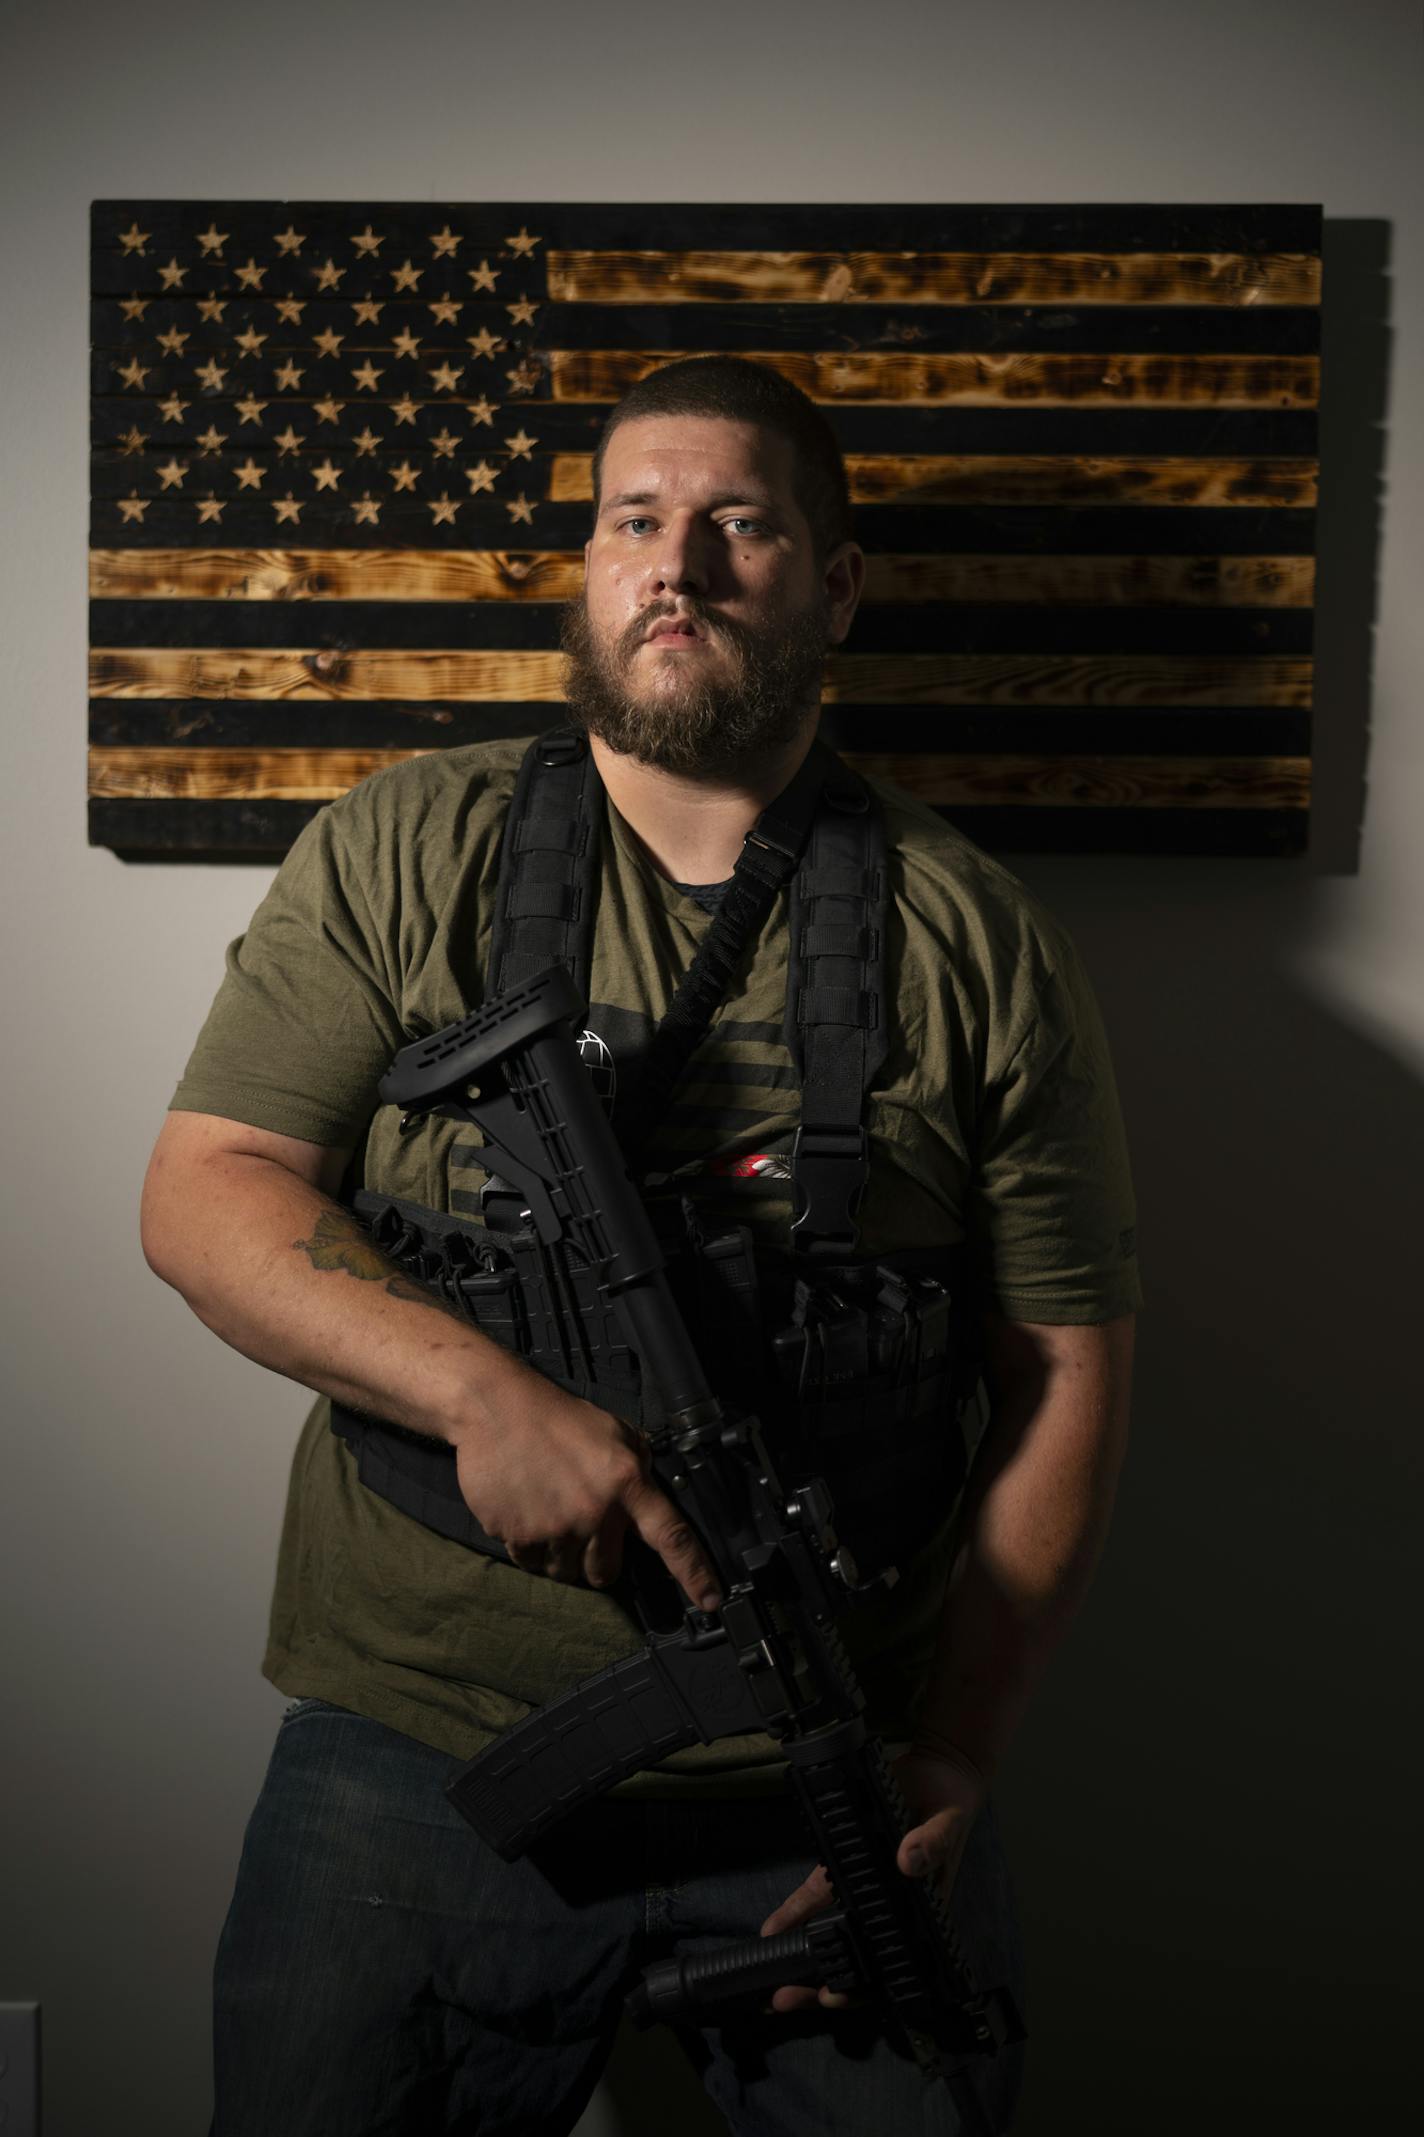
point(381, 1968)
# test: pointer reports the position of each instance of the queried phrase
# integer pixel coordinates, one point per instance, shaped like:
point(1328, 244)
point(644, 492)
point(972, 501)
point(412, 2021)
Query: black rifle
point(771, 1658)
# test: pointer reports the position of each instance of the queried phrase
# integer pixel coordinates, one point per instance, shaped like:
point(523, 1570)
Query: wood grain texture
point(851, 679)
point(333, 575)
point(1090, 581)
point(983, 380)
point(317, 575)
point(1034, 479)
point(713, 277)
point(1118, 782)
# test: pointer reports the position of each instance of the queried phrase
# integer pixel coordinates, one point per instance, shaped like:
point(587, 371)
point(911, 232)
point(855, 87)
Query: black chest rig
point(858, 1369)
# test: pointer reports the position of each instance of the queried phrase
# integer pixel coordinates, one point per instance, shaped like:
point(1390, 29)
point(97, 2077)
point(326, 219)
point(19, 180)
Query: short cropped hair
point(745, 392)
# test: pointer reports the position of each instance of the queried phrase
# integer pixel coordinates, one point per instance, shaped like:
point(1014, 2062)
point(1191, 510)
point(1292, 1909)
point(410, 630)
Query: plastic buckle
point(829, 1167)
point(562, 745)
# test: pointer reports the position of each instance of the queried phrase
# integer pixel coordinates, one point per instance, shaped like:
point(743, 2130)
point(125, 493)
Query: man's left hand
point(943, 1796)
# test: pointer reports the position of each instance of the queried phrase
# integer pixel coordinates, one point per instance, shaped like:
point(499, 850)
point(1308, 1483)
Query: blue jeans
point(382, 1973)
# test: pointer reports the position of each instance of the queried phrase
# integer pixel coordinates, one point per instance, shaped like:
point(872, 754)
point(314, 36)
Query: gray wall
point(1211, 1806)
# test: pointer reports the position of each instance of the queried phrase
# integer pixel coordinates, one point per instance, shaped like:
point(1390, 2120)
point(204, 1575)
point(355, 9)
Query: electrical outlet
point(19, 2070)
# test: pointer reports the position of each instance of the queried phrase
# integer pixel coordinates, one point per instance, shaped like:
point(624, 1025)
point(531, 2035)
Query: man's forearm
point(285, 1275)
point(1037, 1514)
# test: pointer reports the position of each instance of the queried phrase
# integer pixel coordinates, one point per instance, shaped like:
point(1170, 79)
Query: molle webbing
point(548, 866)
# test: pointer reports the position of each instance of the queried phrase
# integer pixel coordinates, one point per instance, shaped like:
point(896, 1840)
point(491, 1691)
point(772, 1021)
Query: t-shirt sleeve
point(1052, 1208)
point(305, 1021)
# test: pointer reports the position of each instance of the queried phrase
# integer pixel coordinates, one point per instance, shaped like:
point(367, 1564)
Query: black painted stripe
point(949, 731)
point(909, 627)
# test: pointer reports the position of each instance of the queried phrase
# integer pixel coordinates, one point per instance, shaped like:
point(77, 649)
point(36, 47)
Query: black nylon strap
point(770, 854)
point(547, 865)
point(835, 1024)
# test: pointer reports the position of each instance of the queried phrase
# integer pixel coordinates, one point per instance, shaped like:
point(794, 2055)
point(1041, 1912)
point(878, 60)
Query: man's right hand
point(560, 1482)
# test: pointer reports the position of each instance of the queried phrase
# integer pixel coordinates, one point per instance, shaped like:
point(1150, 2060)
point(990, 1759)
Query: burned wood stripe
point(983, 380)
point(574, 426)
point(209, 723)
point(334, 574)
point(1147, 581)
point(1058, 781)
point(536, 678)
point(1034, 479)
point(924, 627)
point(416, 575)
point(982, 277)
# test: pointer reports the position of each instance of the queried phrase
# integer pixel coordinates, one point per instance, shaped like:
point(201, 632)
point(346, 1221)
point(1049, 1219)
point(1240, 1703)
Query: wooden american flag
point(341, 481)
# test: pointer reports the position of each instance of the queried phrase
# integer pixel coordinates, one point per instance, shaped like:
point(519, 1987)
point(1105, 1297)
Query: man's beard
point(732, 721)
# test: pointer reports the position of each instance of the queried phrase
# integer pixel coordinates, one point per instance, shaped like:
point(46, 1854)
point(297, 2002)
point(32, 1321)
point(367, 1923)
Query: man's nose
point(680, 559)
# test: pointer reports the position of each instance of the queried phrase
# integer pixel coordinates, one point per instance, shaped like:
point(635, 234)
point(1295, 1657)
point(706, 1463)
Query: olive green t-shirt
point(994, 1119)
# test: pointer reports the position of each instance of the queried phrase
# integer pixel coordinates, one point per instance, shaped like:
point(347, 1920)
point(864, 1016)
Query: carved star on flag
point(524, 377)
point(484, 276)
point(329, 276)
point(290, 309)
point(212, 309)
point(250, 341)
point(172, 275)
point(405, 344)
point(251, 275)
point(444, 509)
point(443, 444)
point(365, 375)
point(519, 443)
point(404, 476)
point(286, 441)
point(326, 475)
point(250, 409)
point(212, 240)
point(132, 441)
point(249, 475)
point(523, 244)
point(172, 474)
point(481, 476)
point(290, 240)
point(133, 373)
point(523, 312)
point(173, 341)
point(484, 343)
point(444, 309)
point(367, 311)
point(328, 409)
point(212, 374)
point(172, 409)
point(366, 441)
point(482, 410)
point(210, 508)
point(211, 440)
point(288, 377)
point(444, 379)
point(367, 242)
point(133, 239)
point(520, 507)
point(405, 409)
point(445, 243)
point(328, 343)
point(286, 508)
point(133, 506)
point(133, 308)
point(407, 275)
point(367, 510)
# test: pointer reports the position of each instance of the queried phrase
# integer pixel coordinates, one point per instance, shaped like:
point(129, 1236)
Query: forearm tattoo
point(339, 1244)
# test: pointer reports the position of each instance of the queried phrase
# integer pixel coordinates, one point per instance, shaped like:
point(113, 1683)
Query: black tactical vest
point(858, 1369)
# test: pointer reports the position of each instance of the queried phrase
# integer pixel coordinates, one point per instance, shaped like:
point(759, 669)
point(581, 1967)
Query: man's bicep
point(189, 1141)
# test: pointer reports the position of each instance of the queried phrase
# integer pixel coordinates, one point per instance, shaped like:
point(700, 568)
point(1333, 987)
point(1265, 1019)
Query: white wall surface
point(1212, 1808)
